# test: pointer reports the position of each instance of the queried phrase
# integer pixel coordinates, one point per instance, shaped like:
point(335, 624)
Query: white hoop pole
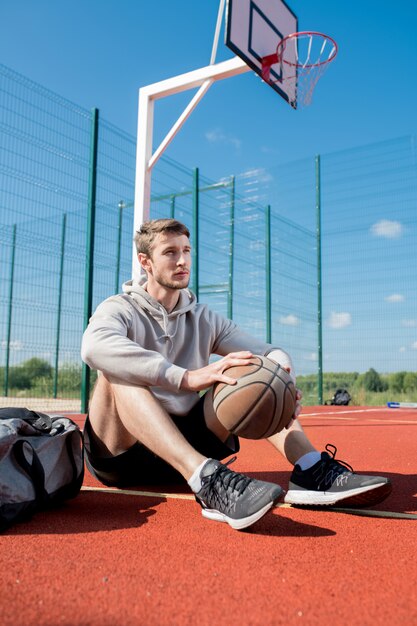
point(203, 78)
point(217, 32)
point(180, 121)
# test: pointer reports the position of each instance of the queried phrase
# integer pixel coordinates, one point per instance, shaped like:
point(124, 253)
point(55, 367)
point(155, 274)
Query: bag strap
point(34, 469)
point(39, 421)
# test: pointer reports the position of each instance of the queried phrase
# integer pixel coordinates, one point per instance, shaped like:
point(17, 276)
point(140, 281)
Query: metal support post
point(319, 285)
point(89, 265)
point(172, 207)
point(58, 322)
point(231, 248)
point(268, 275)
point(195, 239)
point(121, 206)
point(9, 314)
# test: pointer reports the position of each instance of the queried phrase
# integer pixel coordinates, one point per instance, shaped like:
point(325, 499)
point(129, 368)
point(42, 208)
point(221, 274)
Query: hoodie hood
point(136, 289)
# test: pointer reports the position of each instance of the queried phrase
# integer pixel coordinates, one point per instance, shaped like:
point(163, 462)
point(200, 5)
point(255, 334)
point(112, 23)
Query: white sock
point(195, 481)
point(309, 459)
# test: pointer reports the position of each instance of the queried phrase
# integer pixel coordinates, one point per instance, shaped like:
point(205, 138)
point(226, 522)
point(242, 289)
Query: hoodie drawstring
point(166, 334)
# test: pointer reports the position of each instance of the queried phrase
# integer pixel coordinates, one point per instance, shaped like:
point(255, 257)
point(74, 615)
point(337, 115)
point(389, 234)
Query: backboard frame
point(277, 20)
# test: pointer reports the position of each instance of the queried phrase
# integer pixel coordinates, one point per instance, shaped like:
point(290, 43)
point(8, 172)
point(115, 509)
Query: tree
point(18, 379)
point(397, 382)
point(37, 368)
point(410, 382)
point(373, 382)
point(25, 375)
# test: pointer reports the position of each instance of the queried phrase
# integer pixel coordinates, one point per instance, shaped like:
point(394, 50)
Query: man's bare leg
point(292, 443)
point(120, 415)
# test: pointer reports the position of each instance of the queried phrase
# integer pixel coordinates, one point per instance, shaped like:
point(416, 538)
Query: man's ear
point(144, 261)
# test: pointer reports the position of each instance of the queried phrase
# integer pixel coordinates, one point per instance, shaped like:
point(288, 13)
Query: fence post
point(89, 266)
point(172, 206)
point(9, 314)
point(268, 274)
point(58, 322)
point(121, 206)
point(231, 248)
point(319, 285)
point(196, 251)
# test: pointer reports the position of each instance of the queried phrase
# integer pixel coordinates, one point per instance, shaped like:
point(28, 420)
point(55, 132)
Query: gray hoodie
point(133, 339)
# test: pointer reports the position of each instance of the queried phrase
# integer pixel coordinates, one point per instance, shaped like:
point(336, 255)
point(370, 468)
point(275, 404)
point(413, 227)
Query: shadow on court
point(90, 512)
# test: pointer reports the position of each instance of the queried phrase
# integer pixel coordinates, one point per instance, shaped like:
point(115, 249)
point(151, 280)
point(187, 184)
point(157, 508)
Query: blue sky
point(98, 53)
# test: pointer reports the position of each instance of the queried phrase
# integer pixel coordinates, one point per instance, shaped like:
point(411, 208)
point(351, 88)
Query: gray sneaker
point(330, 481)
point(227, 496)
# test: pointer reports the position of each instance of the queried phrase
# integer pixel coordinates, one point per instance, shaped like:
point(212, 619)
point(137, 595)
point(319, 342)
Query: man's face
point(170, 262)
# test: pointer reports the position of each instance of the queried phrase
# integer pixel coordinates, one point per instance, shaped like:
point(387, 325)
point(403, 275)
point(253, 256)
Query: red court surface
point(112, 558)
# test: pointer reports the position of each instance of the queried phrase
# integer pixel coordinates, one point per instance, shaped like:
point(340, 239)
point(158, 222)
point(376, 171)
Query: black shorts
point(140, 466)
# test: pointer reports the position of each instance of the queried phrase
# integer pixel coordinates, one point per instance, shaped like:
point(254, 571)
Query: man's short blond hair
point(145, 236)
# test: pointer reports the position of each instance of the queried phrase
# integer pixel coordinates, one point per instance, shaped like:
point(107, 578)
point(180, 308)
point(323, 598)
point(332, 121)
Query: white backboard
point(254, 28)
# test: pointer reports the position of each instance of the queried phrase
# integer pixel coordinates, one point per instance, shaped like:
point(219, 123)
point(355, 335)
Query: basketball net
point(299, 62)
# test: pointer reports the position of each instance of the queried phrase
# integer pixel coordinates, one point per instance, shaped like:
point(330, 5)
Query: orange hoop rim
point(281, 48)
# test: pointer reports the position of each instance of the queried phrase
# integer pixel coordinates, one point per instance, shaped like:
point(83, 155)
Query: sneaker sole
point(238, 524)
point(363, 496)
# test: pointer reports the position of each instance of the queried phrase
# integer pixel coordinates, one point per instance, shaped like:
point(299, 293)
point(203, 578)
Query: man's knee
point(107, 429)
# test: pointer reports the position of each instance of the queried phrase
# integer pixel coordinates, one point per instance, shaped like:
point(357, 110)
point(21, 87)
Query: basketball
point(260, 404)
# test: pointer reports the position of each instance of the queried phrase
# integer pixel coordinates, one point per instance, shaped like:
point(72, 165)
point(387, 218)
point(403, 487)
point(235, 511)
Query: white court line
point(342, 419)
point(381, 420)
point(394, 421)
point(184, 496)
point(355, 415)
point(352, 411)
point(369, 513)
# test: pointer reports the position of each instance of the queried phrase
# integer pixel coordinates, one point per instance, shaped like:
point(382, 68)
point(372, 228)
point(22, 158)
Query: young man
point(146, 424)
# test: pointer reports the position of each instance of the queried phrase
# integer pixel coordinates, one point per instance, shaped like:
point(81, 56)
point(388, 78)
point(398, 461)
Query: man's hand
point(196, 380)
point(298, 405)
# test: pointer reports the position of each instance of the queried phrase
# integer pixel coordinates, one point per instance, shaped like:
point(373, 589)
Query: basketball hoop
point(299, 62)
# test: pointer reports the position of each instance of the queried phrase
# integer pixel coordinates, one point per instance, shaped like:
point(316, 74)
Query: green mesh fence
point(365, 201)
point(43, 186)
point(44, 193)
point(114, 211)
point(250, 262)
point(369, 244)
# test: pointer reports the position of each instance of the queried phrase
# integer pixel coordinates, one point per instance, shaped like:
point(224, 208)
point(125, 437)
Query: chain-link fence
point(67, 228)
point(366, 214)
point(336, 285)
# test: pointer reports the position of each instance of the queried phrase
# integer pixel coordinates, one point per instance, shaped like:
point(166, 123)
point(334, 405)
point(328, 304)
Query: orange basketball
point(260, 404)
